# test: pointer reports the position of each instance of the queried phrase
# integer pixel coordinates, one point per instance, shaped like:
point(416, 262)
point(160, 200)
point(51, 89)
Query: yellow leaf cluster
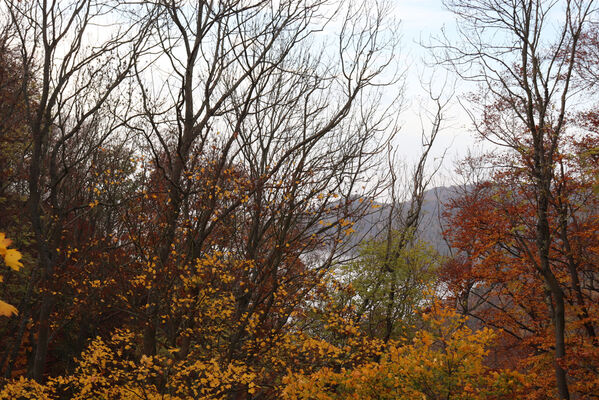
point(11, 256)
point(11, 259)
point(23, 388)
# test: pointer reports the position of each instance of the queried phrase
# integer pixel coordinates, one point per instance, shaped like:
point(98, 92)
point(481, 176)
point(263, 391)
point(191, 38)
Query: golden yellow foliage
point(11, 259)
point(11, 256)
point(7, 310)
point(444, 361)
point(4, 243)
point(24, 388)
point(336, 362)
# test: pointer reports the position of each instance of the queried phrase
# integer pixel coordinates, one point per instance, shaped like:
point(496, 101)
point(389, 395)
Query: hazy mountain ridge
point(432, 222)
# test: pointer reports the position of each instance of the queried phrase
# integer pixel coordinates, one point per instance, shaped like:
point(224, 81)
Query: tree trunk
point(560, 346)
point(44, 258)
point(41, 349)
point(543, 243)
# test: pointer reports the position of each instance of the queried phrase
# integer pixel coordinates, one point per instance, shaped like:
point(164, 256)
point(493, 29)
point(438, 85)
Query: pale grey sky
point(421, 19)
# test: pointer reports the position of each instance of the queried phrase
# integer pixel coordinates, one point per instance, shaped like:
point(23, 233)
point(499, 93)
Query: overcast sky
point(419, 20)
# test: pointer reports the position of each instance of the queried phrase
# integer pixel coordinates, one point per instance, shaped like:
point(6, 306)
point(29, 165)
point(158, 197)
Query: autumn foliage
point(496, 281)
point(191, 207)
point(445, 359)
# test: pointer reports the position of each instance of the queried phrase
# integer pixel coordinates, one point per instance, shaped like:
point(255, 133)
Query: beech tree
point(72, 108)
point(495, 280)
point(249, 88)
point(525, 65)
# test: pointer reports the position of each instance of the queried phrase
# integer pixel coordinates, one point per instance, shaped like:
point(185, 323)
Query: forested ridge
point(205, 200)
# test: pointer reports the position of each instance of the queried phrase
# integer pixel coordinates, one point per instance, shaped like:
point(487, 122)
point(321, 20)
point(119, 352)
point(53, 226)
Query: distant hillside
point(432, 222)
